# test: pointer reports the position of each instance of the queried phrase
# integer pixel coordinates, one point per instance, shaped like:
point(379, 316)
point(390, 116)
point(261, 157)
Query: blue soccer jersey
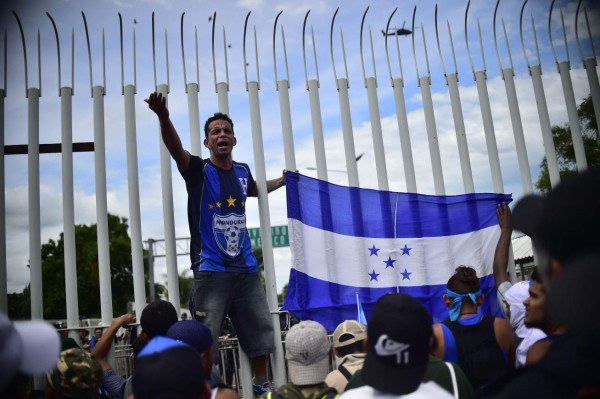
point(217, 216)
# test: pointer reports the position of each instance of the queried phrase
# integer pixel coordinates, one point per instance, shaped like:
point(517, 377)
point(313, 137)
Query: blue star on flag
point(389, 262)
point(405, 250)
point(373, 275)
point(405, 275)
point(374, 251)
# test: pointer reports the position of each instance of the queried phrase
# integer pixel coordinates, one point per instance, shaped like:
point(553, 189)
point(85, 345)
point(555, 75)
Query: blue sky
point(231, 15)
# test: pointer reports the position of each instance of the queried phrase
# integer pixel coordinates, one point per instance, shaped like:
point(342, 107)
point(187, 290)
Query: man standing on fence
point(226, 279)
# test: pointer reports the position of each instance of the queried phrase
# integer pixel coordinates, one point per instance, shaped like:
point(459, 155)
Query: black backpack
point(479, 355)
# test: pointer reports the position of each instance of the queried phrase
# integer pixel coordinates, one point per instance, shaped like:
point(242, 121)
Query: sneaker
point(260, 389)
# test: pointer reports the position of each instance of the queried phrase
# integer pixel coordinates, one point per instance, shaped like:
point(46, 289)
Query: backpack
point(291, 391)
point(479, 355)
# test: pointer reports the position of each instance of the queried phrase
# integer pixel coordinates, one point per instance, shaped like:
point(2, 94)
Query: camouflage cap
point(77, 375)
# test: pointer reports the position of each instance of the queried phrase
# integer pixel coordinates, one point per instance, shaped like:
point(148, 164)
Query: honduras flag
point(360, 313)
point(348, 240)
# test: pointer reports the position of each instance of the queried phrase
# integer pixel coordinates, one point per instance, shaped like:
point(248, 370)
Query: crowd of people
point(544, 345)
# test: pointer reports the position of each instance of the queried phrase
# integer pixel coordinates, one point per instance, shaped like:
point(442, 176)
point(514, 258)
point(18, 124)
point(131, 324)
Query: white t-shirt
point(426, 390)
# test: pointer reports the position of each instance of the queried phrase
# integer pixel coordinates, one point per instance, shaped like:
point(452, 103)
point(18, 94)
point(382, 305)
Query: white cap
point(30, 347)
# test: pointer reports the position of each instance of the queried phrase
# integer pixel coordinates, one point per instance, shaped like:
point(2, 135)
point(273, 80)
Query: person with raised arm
point(226, 279)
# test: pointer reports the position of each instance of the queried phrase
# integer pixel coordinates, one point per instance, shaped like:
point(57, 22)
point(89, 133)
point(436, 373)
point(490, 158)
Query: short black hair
point(216, 116)
point(157, 317)
point(464, 281)
point(535, 276)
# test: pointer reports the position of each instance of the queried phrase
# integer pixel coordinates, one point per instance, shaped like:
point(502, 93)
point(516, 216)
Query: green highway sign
point(279, 235)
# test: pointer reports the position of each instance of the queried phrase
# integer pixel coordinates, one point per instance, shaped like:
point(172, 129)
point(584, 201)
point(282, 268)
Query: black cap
point(565, 223)
point(161, 364)
point(399, 340)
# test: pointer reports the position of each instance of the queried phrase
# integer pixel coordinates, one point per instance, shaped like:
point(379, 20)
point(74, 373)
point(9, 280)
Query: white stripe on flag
point(353, 261)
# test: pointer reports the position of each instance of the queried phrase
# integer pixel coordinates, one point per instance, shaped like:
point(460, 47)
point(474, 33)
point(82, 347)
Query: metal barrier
point(124, 360)
point(229, 362)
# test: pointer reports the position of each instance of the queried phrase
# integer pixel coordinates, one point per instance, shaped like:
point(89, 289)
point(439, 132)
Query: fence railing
point(229, 363)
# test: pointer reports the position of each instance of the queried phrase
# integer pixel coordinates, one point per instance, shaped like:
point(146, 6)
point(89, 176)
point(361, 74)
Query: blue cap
point(193, 333)
point(160, 344)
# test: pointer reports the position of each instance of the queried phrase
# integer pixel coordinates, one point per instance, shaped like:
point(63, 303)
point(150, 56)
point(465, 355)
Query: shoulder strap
point(453, 378)
point(329, 393)
point(486, 318)
point(342, 369)
point(447, 323)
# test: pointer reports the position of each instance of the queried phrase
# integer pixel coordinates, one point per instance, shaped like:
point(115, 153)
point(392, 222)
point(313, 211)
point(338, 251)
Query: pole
point(66, 110)
point(135, 224)
point(169, 218)
point(101, 207)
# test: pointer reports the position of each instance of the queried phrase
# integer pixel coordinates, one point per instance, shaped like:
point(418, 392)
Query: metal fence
point(229, 362)
point(371, 91)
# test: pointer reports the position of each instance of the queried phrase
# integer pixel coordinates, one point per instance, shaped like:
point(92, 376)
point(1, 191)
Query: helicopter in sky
point(397, 32)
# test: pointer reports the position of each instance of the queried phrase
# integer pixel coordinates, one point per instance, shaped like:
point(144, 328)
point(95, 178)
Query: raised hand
point(158, 104)
point(503, 214)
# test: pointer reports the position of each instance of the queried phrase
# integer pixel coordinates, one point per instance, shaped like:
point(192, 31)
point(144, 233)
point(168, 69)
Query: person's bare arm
point(438, 334)
point(505, 337)
point(103, 346)
point(274, 184)
point(537, 352)
point(227, 393)
point(502, 248)
point(158, 104)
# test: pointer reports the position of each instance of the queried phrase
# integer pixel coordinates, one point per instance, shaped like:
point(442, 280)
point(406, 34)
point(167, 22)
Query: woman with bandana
point(483, 346)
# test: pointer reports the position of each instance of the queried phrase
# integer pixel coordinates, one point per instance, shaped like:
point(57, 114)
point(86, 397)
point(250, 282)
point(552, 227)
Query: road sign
point(279, 235)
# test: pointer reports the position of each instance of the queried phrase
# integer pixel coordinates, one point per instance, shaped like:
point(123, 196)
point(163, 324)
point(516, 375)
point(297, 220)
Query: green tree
point(281, 296)
point(564, 145)
point(19, 304)
point(88, 285)
point(258, 254)
point(185, 287)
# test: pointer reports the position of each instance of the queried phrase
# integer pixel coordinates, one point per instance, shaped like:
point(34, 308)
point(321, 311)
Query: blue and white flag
point(360, 312)
point(347, 240)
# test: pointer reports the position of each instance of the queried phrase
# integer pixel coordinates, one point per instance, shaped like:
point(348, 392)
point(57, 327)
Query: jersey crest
point(230, 232)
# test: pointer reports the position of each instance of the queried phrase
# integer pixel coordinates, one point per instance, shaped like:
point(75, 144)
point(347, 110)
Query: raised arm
point(158, 104)
point(274, 184)
point(103, 346)
point(501, 254)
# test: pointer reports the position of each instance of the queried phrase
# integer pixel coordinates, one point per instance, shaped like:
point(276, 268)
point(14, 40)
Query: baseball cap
point(307, 351)
point(565, 222)
point(193, 333)
point(161, 364)
point(399, 340)
point(351, 330)
point(29, 347)
point(77, 375)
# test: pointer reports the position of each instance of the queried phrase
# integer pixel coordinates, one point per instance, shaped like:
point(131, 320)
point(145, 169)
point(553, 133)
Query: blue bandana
point(457, 299)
